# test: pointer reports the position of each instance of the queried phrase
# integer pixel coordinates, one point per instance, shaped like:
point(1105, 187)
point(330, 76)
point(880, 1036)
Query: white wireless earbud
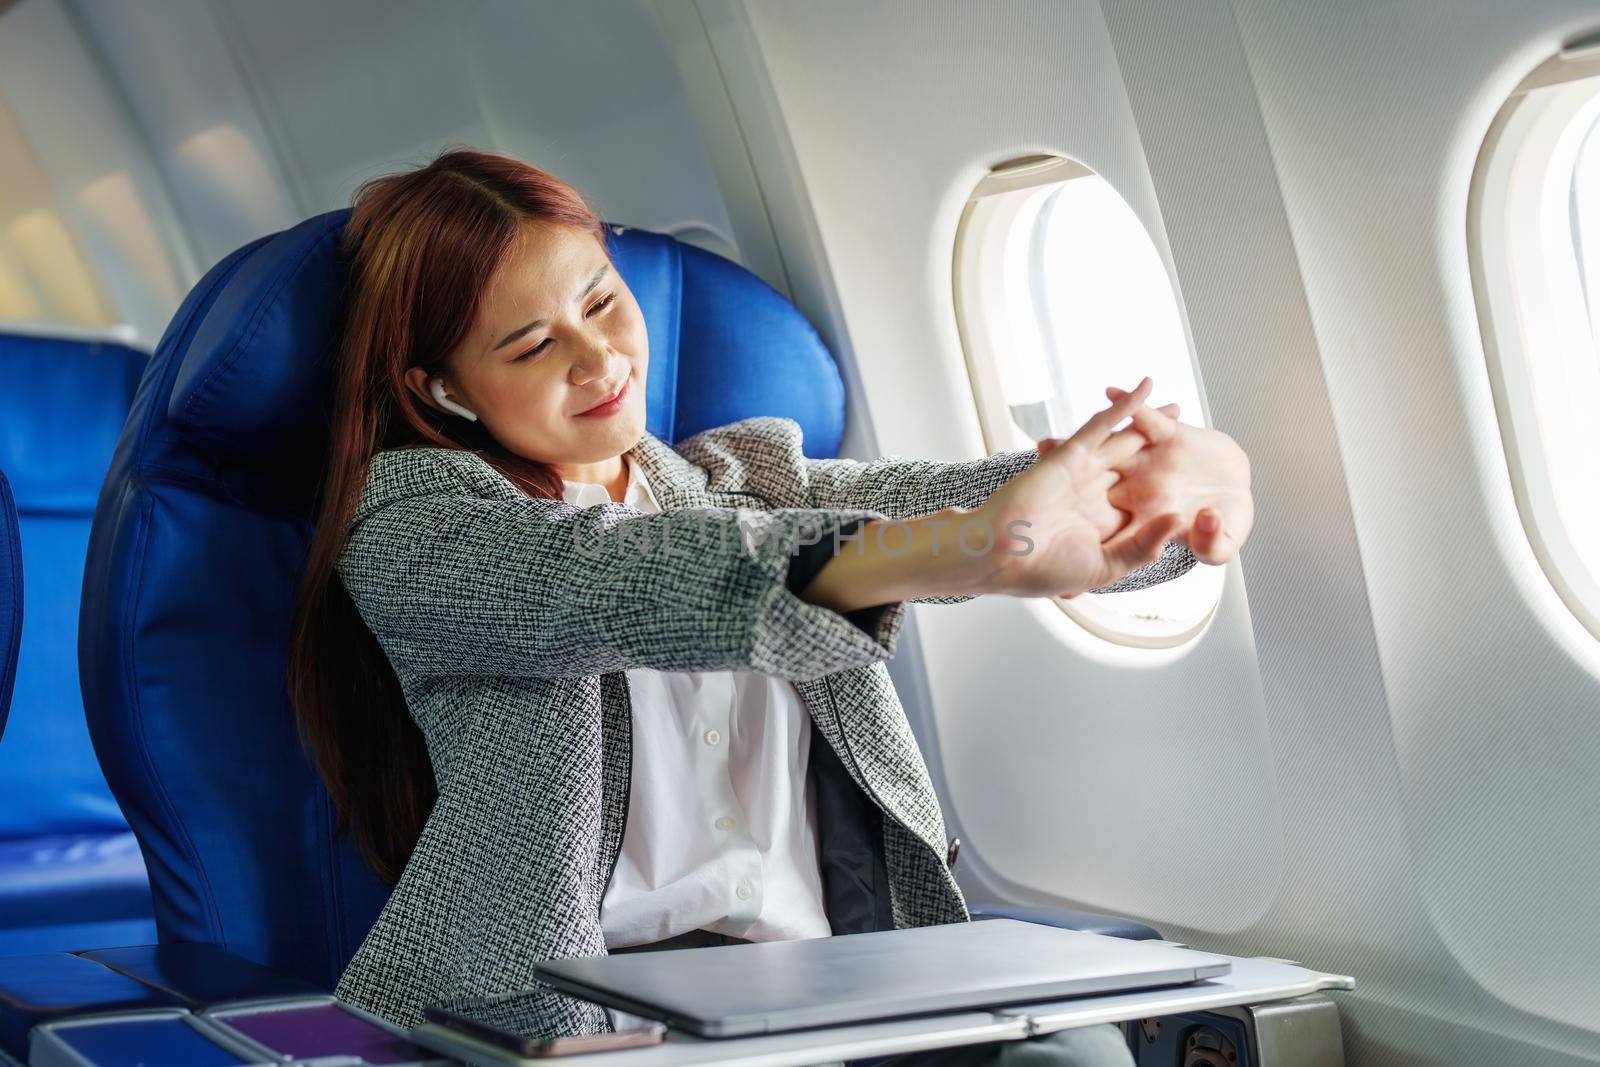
point(436, 387)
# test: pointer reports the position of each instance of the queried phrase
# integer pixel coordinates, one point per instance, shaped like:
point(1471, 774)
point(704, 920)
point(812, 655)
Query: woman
point(578, 691)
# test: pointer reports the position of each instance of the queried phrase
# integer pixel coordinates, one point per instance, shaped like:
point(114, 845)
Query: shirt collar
point(638, 496)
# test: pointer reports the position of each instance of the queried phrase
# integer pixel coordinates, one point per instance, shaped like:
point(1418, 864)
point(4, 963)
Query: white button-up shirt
point(722, 824)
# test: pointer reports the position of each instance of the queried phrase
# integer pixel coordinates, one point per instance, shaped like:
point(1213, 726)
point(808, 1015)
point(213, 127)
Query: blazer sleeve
point(453, 583)
point(901, 488)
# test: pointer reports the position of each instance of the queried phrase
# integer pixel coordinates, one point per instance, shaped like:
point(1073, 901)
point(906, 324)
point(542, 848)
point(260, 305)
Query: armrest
point(1068, 919)
point(57, 985)
point(199, 975)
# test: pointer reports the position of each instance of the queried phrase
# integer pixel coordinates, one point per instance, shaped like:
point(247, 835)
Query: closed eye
point(540, 347)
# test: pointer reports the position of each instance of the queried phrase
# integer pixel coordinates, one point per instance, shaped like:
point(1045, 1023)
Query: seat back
point(202, 531)
point(60, 415)
point(10, 597)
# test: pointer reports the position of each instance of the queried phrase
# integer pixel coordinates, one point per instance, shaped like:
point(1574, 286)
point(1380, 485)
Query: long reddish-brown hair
point(420, 248)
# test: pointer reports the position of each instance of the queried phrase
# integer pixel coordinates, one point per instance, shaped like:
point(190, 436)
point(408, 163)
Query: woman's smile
point(611, 406)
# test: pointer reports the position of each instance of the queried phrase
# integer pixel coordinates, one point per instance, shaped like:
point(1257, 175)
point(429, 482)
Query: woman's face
point(557, 333)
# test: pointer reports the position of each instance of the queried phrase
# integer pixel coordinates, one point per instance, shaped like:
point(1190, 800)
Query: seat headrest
point(237, 397)
point(253, 390)
point(60, 414)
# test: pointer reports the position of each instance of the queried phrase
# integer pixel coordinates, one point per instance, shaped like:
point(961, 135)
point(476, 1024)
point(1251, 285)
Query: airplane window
point(1060, 292)
point(1534, 241)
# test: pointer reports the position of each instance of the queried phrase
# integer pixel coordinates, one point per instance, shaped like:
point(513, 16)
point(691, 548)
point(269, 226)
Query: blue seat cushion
point(50, 780)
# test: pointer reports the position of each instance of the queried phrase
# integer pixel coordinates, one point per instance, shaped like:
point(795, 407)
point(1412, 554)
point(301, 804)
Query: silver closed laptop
point(738, 990)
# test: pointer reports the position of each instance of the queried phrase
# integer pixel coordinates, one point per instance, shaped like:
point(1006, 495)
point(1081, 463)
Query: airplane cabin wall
point(1382, 764)
point(241, 118)
point(1492, 681)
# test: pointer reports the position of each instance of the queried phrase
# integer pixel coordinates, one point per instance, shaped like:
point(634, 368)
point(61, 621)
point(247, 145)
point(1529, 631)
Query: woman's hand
point(1201, 475)
point(1051, 523)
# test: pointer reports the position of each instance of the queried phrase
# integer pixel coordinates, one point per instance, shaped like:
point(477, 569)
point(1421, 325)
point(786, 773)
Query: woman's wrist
point(889, 560)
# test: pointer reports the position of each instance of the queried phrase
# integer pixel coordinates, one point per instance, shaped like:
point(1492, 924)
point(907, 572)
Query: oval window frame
point(1510, 148)
point(985, 216)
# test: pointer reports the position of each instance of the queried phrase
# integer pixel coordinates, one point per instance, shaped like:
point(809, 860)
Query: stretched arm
point(1074, 539)
point(454, 583)
point(900, 488)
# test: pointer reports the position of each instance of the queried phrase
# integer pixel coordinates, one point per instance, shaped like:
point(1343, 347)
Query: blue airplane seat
point(201, 532)
point(71, 874)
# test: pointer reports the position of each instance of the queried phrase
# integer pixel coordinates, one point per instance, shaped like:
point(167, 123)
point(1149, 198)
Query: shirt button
point(742, 891)
point(726, 823)
point(712, 737)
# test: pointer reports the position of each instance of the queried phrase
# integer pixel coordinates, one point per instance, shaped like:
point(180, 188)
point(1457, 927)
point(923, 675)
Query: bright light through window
point(1535, 244)
point(1061, 292)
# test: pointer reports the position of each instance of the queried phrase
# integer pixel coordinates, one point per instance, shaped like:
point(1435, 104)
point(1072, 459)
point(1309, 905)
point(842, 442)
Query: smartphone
point(631, 1031)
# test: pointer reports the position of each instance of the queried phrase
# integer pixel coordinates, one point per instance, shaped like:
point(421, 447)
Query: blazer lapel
point(676, 482)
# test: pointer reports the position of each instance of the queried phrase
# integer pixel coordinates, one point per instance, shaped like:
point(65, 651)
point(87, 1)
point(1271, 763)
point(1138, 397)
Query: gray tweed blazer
point(510, 622)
